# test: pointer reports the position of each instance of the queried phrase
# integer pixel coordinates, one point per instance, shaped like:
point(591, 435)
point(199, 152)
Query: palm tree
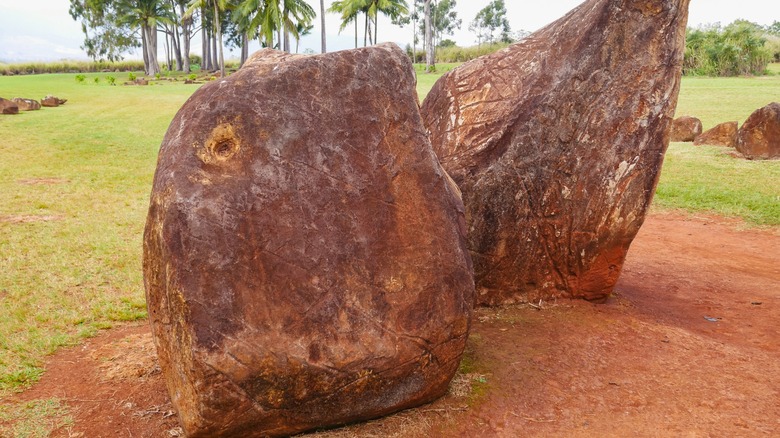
point(146, 14)
point(349, 10)
point(217, 6)
point(294, 12)
point(391, 8)
point(303, 29)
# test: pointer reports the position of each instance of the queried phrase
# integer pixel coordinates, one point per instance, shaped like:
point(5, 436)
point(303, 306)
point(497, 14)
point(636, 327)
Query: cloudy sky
point(43, 30)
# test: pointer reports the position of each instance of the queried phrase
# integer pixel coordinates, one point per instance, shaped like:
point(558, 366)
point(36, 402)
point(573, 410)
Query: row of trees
point(113, 27)
point(740, 48)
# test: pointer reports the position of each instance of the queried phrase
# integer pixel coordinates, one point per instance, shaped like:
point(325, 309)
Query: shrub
point(131, 76)
point(96, 80)
point(737, 49)
point(111, 80)
point(81, 78)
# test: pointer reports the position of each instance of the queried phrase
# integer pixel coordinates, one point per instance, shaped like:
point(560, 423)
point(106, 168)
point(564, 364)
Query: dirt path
point(688, 346)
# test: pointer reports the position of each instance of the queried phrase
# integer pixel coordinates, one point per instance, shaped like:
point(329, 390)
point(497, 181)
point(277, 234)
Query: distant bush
point(463, 54)
point(31, 68)
point(737, 49)
point(111, 80)
point(81, 78)
point(195, 59)
point(131, 76)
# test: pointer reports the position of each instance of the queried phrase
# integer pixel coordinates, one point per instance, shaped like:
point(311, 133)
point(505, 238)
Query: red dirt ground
point(688, 346)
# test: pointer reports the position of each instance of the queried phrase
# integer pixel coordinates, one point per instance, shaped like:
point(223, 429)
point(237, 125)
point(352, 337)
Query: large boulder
point(8, 106)
point(686, 128)
point(724, 134)
point(305, 257)
point(27, 104)
point(557, 143)
point(759, 136)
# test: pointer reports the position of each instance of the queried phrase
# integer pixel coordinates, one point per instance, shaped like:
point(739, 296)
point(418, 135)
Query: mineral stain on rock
point(557, 143)
point(305, 257)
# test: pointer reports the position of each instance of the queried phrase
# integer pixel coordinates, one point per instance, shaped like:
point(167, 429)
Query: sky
point(42, 30)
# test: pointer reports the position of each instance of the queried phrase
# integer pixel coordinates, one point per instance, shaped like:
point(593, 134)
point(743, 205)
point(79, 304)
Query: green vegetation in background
point(737, 49)
point(73, 201)
point(79, 270)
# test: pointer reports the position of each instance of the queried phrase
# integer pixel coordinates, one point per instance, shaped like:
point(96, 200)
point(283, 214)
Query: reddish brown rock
point(685, 128)
point(305, 258)
point(724, 134)
point(52, 101)
point(27, 104)
point(759, 136)
point(8, 107)
point(557, 143)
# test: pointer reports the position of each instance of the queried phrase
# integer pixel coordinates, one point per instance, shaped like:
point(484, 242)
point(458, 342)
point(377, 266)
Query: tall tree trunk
point(356, 31)
point(177, 48)
point(322, 22)
point(430, 62)
point(214, 54)
point(244, 47)
point(204, 41)
point(218, 24)
point(365, 31)
point(167, 44)
point(145, 48)
point(151, 50)
point(414, 33)
point(185, 40)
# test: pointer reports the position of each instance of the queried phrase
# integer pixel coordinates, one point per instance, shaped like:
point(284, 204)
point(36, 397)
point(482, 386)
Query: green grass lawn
point(76, 180)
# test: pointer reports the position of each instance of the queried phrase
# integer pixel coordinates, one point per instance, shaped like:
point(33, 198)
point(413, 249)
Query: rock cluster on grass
point(557, 143)
point(759, 136)
point(685, 129)
point(724, 134)
point(8, 106)
point(305, 258)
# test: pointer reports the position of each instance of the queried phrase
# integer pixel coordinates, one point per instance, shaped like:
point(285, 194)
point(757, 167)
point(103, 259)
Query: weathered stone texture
point(724, 134)
point(685, 129)
point(8, 107)
point(557, 142)
point(305, 256)
point(759, 136)
point(26, 104)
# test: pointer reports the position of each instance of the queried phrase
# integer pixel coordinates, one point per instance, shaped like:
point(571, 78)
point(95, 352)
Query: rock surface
point(8, 107)
point(305, 257)
point(27, 104)
point(759, 136)
point(557, 143)
point(724, 134)
point(686, 128)
point(52, 101)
